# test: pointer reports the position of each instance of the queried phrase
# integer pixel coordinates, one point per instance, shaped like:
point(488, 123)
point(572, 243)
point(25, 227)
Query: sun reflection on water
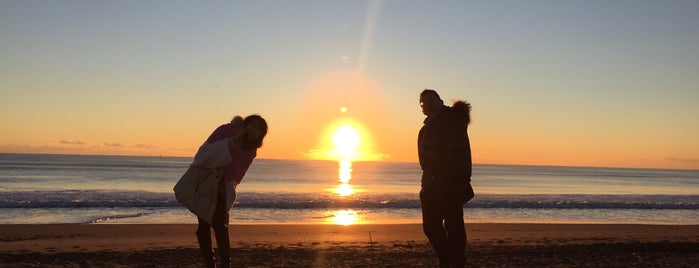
point(344, 217)
point(346, 140)
point(344, 190)
point(345, 170)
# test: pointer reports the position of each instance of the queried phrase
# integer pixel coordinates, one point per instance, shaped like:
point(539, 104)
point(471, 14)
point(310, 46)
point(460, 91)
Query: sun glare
point(345, 217)
point(345, 171)
point(346, 140)
point(343, 109)
point(344, 190)
point(345, 175)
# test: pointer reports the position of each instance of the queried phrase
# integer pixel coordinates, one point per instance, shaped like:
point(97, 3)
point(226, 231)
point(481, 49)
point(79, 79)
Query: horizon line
point(361, 161)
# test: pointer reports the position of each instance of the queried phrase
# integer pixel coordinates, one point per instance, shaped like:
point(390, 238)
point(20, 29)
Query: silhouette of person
point(231, 147)
point(444, 152)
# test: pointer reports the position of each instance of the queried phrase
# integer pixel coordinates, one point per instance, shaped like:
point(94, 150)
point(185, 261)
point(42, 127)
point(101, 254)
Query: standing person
point(444, 151)
point(208, 186)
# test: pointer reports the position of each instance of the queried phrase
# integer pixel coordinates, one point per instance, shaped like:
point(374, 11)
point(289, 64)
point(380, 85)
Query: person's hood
point(462, 110)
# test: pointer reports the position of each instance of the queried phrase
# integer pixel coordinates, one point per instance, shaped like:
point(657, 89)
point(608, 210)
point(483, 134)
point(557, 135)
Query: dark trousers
point(220, 226)
point(443, 224)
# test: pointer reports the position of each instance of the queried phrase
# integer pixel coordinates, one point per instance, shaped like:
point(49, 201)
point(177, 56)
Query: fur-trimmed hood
point(461, 110)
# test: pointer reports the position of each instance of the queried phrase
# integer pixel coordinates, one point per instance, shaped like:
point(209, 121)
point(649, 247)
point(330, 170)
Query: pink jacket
point(240, 160)
point(214, 153)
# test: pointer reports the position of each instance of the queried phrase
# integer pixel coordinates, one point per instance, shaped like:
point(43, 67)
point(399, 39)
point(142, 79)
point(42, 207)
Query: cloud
point(77, 142)
point(85, 147)
point(145, 146)
point(117, 145)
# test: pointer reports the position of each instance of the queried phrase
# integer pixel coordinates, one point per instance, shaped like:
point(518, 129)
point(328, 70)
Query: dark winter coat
point(444, 150)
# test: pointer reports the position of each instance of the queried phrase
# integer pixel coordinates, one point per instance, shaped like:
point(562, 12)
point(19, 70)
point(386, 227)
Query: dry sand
point(389, 245)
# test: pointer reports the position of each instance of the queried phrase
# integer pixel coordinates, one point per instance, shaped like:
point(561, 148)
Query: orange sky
point(305, 131)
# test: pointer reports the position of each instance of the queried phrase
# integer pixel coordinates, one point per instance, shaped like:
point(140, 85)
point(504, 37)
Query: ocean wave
point(116, 217)
point(101, 198)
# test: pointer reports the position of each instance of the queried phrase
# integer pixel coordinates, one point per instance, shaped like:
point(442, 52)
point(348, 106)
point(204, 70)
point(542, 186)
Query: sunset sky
point(579, 83)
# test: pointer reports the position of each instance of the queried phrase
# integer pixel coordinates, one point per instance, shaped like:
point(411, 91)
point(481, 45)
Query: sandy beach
point(379, 245)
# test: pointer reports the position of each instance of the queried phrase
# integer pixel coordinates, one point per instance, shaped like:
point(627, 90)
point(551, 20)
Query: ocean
point(40, 189)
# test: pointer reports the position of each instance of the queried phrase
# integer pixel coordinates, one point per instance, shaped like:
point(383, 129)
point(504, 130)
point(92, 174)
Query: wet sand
point(376, 245)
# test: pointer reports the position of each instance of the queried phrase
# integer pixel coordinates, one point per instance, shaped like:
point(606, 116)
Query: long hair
point(262, 124)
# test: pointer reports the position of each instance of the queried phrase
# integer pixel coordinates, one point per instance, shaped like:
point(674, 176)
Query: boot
point(208, 258)
point(225, 255)
point(225, 263)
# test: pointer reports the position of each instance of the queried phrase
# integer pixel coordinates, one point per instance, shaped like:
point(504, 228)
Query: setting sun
point(346, 139)
point(343, 111)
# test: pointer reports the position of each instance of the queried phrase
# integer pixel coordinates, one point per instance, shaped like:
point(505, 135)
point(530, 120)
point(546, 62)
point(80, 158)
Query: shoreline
point(126, 237)
point(364, 245)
